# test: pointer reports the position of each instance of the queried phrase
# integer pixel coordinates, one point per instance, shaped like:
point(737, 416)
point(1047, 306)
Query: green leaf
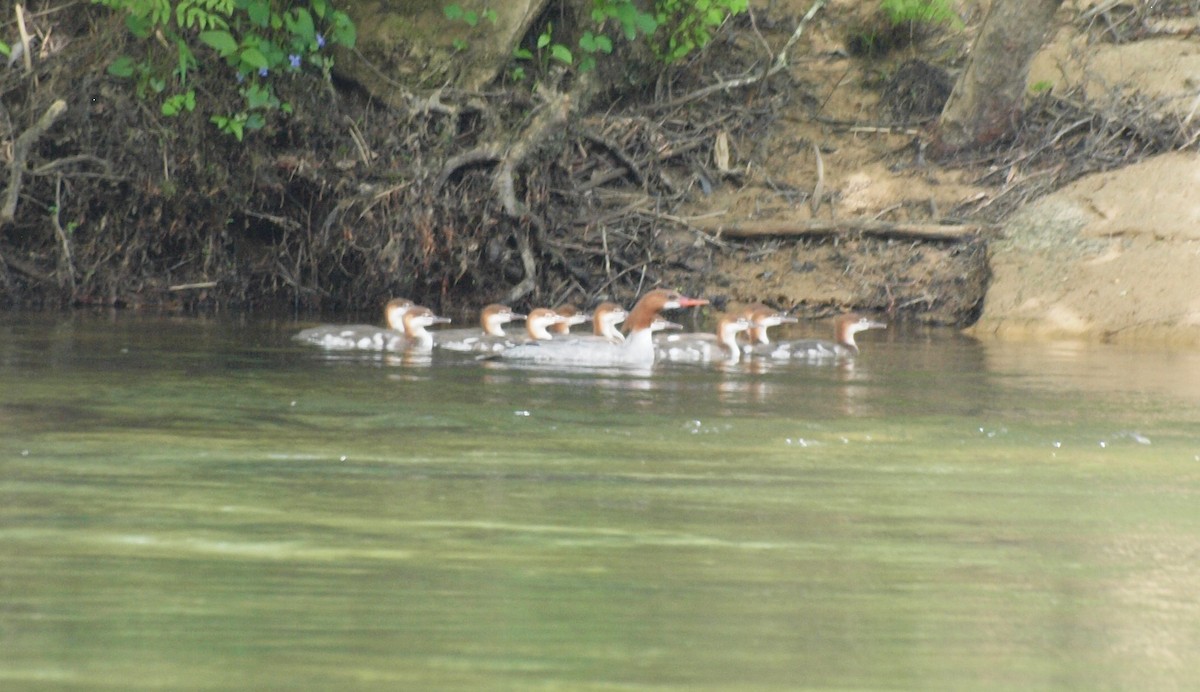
point(259, 12)
point(452, 12)
point(121, 67)
point(300, 23)
point(604, 44)
point(646, 24)
point(561, 53)
point(138, 26)
point(344, 32)
point(253, 57)
point(220, 41)
point(4, 49)
point(544, 39)
point(522, 54)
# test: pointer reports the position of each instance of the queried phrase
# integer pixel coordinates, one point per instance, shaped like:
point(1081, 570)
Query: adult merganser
point(703, 347)
point(844, 329)
point(761, 317)
point(571, 317)
point(364, 337)
point(637, 349)
point(488, 339)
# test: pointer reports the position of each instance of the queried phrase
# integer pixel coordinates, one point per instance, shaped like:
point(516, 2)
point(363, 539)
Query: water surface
point(199, 503)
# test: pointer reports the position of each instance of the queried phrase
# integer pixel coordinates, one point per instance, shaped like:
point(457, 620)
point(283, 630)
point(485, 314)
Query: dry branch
point(837, 227)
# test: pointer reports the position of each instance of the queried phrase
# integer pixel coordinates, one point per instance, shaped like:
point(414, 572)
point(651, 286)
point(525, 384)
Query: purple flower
point(295, 60)
point(262, 72)
point(320, 40)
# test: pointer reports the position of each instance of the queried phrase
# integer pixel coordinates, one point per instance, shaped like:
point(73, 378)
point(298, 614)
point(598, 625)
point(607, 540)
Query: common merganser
point(844, 329)
point(703, 347)
point(539, 322)
point(761, 317)
point(605, 319)
point(571, 317)
point(488, 339)
point(416, 336)
point(637, 349)
point(363, 337)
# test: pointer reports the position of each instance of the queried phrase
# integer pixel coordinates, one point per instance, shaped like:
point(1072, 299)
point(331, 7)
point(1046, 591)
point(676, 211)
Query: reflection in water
point(187, 500)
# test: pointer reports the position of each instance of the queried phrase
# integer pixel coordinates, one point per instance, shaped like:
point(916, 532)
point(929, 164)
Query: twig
point(194, 286)
point(360, 142)
point(819, 188)
point(20, 153)
point(27, 54)
point(68, 264)
point(619, 153)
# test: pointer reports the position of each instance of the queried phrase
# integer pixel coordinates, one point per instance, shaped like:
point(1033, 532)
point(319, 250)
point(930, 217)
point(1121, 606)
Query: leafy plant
point(255, 38)
point(917, 12)
point(691, 24)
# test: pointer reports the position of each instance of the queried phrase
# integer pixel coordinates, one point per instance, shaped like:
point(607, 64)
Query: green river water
point(199, 503)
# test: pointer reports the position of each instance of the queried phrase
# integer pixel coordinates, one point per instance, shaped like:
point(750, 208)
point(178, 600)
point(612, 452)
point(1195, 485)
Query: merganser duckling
point(637, 349)
point(416, 336)
point(702, 347)
point(488, 339)
point(364, 337)
point(571, 317)
point(844, 329)
point(605, 319)
point(761, 317)
point(539, 322)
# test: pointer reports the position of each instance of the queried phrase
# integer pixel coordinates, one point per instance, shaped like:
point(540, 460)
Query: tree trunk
point(986, 102)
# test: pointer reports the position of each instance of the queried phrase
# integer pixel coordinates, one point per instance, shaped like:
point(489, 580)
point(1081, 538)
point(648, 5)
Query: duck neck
point(493, 326)
point(537, 330)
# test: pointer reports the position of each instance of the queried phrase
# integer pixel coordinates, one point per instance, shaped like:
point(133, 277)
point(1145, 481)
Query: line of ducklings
point(737, 334)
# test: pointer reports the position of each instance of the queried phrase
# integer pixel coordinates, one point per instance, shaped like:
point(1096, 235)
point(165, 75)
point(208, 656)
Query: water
point(199, 504)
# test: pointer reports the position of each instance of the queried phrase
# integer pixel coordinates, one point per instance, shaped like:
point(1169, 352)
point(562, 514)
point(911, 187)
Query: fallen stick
point(834, 227)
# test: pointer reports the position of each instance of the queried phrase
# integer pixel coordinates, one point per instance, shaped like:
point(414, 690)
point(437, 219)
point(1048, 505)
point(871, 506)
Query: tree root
point(833, 227)
point(20, 153)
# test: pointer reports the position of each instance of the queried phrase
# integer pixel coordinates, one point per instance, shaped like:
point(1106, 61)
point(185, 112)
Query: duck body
point(490, 337)
point(636, 350)
point(363, 337)
point(721, 346)
point(844, 345)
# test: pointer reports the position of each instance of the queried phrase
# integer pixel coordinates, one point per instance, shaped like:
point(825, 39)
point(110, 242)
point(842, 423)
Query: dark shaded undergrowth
point(342, 204)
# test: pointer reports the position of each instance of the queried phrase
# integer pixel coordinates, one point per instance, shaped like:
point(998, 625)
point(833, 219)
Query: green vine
point(258, 39)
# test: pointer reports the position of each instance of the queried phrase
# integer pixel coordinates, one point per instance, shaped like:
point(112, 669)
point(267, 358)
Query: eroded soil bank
point(352, 200)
